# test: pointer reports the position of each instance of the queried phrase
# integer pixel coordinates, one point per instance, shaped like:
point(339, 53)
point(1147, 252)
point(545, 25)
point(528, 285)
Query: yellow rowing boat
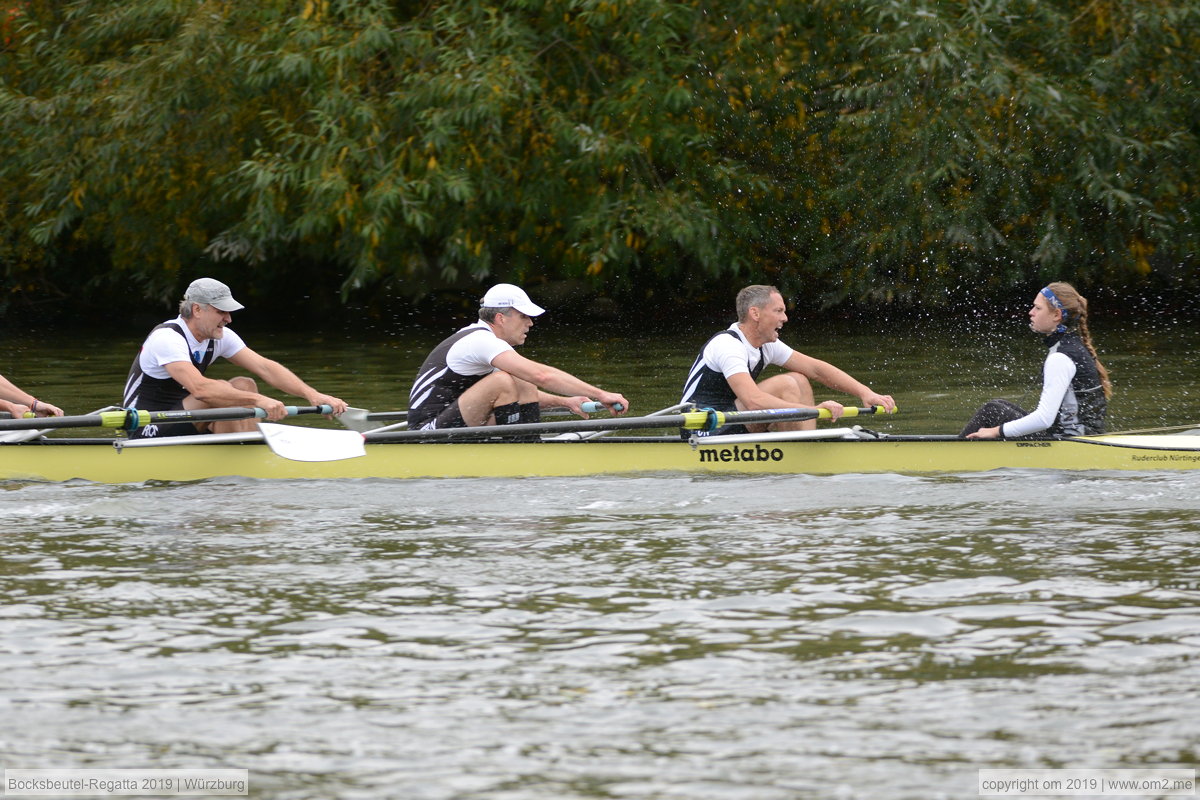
point(839, 451)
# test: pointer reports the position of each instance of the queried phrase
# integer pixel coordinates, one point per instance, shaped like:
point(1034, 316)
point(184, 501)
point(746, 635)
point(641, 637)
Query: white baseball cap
point(505, 295)
point(211, 292)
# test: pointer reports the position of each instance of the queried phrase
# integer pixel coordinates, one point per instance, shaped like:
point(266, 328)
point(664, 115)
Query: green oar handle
point(707, 419)
point(691, 420)
point(851, 411)
point(37, 423)
point(132, 419)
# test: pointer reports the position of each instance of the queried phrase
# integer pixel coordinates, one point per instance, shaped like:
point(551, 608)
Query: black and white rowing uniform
point(726, 354)
point(151, 388)
point(455, 365)
point(1072, 401)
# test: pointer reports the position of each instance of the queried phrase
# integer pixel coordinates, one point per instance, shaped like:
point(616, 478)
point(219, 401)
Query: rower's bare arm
point(545, 376)
point(751, 396)
point(574, 403)
point(17, 401)
point(10, 392)
point(284, 379)
point(837, 379)
point(220, 394)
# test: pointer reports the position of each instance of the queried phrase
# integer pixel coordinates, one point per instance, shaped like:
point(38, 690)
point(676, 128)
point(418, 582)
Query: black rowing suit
point(150, 387)
point(727, 353)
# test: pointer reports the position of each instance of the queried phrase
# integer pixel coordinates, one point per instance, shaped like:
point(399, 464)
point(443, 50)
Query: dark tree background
point(357, 153)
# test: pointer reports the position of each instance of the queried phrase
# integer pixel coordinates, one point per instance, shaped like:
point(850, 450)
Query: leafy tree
point(992, 136)
point(845, 149)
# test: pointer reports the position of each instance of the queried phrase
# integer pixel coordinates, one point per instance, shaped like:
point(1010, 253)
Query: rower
point(169, 370)
point(725, 374)
point(476, 377)
point(19, 402)
point(1075, 384)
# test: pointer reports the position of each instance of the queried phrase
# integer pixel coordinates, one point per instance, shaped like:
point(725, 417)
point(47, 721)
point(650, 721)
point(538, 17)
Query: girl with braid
point(1075, 385)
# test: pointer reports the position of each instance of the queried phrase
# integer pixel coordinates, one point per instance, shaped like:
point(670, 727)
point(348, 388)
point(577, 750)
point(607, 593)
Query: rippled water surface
point(798, 637)
point(653, 638)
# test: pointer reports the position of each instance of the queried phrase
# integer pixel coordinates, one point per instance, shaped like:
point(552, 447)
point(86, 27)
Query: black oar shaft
point(36, 423)
point(524, 429)
point(614, 424)
point(218, 414)
point(132, 419)
point(590, 407)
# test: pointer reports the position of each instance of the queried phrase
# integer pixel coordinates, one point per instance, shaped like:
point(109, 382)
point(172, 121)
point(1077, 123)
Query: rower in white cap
point(476, 377)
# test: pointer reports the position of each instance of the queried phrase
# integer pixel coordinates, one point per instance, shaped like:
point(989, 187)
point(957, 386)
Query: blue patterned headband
point(1049, 294)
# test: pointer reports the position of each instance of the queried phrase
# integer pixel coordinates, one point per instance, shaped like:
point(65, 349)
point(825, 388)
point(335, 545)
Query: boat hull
point(100, 461)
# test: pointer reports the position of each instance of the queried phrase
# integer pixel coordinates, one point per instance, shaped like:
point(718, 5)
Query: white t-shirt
point(728, 356)
point(164, 346)
point(473, 353)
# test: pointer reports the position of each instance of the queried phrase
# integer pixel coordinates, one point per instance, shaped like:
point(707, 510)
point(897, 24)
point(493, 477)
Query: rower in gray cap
point(169, 370)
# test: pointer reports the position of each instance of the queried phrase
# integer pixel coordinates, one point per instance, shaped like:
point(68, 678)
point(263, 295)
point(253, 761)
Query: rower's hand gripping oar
point(131, 419)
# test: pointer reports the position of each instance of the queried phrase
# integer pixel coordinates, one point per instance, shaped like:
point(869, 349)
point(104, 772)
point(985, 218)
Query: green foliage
point(844, 149)
point(992, 136)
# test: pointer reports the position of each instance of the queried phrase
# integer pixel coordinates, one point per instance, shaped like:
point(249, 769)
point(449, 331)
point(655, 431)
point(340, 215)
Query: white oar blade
point(312, 444)
point(12, 437)
point(356, 419)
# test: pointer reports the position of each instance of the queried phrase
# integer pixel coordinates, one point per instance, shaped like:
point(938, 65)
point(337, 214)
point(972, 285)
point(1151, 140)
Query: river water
point(651, 638)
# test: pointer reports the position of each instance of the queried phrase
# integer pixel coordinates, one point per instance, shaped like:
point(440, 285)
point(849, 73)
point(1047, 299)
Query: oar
point(299, 443)
point(359, 419)
point(706, 419)
point(318, 444)
point(595, 434)
point(131, 419)
point(13, 437)
point(241, 437)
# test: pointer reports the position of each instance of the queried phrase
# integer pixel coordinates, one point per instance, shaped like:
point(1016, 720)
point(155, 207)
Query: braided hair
point(1075, 315)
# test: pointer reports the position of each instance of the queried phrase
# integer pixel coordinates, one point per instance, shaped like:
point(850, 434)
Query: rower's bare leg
point(241, 383)
point(476, 405)
point(790, 388)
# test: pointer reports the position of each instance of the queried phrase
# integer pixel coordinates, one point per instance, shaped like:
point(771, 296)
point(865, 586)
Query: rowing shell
point(100, 461)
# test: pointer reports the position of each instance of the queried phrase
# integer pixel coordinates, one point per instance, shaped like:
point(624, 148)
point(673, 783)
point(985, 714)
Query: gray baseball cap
point(213, 293)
